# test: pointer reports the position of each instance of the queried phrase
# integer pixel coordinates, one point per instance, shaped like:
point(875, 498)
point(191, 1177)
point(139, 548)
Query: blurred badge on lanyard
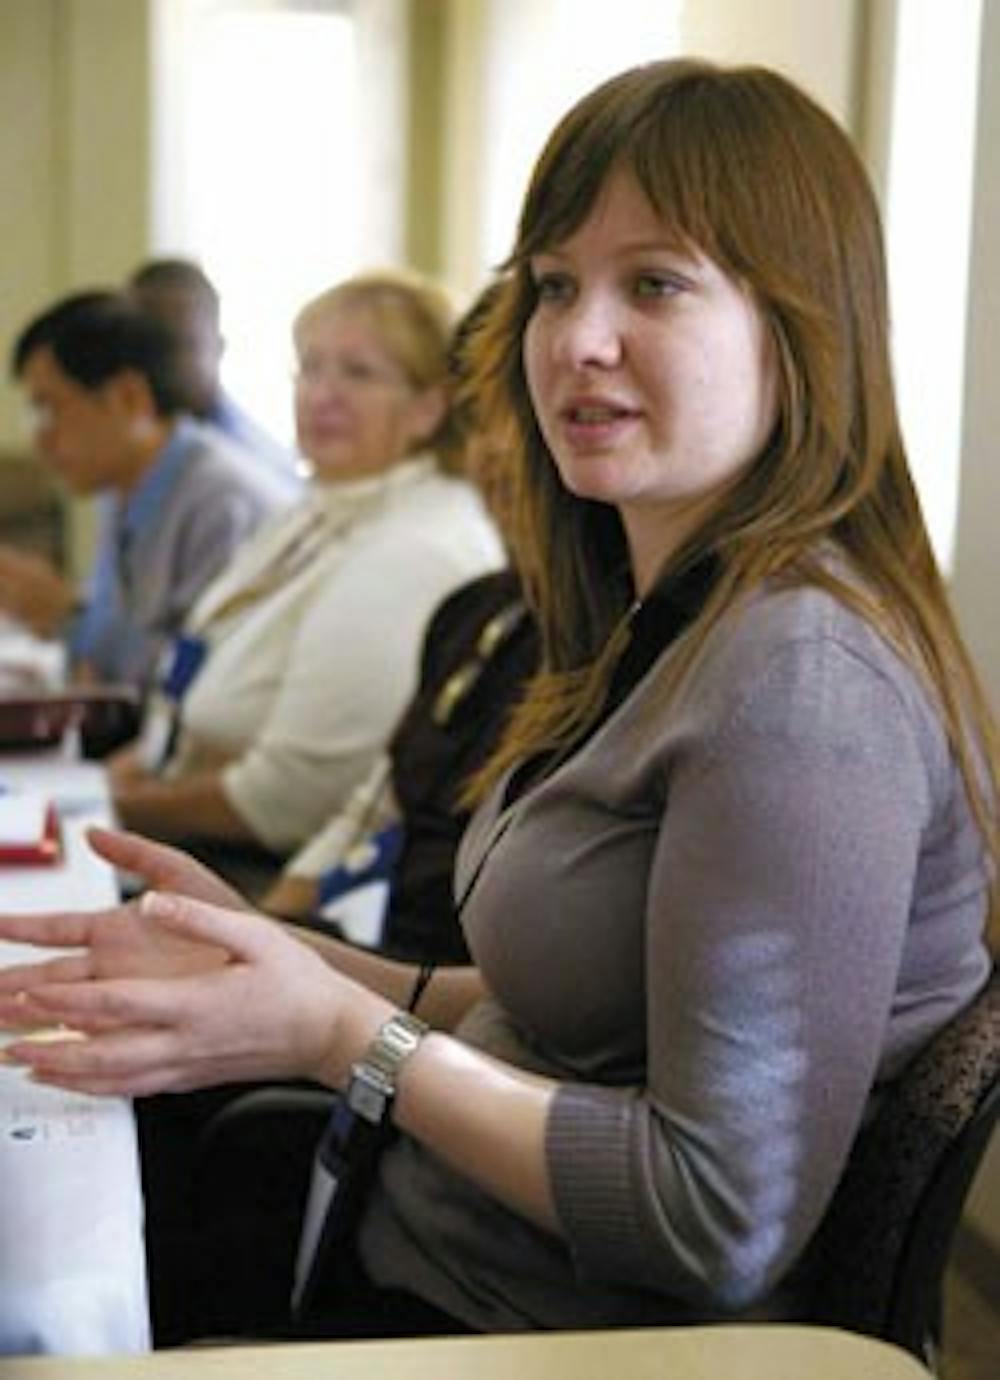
point(180, 662)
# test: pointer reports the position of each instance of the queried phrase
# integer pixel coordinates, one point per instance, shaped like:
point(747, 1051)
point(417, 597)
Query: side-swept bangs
point(746, 168)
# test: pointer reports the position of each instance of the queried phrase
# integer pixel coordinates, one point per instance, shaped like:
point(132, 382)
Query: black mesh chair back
point(878, 1260)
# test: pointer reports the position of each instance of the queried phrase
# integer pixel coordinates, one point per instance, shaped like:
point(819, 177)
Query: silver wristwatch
point(374, 1076)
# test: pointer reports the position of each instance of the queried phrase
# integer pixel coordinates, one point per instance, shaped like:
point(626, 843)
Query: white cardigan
point(314, 636)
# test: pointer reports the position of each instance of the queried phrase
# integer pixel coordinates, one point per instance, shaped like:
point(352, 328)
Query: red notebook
point(29, 830)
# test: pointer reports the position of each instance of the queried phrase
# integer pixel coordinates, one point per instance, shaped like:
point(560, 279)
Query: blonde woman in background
point(296, 662)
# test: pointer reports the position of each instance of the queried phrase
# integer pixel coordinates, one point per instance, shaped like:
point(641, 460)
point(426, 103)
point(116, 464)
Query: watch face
point(366, 1096)
point(373, 1079)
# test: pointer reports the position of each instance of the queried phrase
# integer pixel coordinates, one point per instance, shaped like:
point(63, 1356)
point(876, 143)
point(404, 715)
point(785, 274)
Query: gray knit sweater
point(720, 924)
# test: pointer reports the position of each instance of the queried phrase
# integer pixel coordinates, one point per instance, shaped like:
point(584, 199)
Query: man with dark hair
point(180, 294)
point(106, 398)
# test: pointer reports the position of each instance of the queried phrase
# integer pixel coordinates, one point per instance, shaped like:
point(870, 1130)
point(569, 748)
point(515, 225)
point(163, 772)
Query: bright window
point(542, 56)
point(928, 232)
point(277, 163)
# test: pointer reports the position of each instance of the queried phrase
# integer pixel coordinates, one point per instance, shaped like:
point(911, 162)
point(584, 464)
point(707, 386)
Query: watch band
point(374, 1077)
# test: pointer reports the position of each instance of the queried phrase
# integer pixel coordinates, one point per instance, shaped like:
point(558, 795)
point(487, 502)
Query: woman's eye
point(553, 287)
point(357, 371)
point(657, 285)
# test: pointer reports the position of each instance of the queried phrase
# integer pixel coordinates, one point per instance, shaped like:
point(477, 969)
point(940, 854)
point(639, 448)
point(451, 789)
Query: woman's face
point(650, 370)
point(356, 411)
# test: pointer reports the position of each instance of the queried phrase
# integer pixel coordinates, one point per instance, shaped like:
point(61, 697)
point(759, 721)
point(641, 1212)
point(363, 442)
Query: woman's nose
point(591, 333)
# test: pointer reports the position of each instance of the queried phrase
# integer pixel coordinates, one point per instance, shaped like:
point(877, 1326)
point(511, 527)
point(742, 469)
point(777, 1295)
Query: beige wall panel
point(106, 122)
point(27, 207)
point(75, 167)
point(814, 43)
point(463, 133)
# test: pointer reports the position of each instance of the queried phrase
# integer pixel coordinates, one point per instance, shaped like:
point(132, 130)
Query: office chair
point(253, 1161)
point(878, 1260)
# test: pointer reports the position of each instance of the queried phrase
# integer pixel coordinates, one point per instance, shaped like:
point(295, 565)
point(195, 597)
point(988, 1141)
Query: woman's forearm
point(445, 998)
point(196, 805)
point(485, 1119)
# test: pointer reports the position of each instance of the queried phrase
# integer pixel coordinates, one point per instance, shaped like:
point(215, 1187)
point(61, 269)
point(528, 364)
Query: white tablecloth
point(72, 1262)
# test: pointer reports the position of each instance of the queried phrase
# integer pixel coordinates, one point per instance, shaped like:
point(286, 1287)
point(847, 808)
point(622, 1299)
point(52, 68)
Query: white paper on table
point(72, 1256)
point(23, 816)
point(72, 1263)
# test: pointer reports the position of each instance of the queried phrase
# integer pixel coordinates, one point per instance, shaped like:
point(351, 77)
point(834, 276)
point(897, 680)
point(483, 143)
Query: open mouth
point(595, 414)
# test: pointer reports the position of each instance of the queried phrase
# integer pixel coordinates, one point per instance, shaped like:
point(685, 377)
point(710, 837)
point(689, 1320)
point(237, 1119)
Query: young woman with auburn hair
point(732, 866)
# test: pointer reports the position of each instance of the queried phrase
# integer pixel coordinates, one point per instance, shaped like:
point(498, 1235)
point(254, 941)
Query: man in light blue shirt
point(179, 293)
point(106, 395)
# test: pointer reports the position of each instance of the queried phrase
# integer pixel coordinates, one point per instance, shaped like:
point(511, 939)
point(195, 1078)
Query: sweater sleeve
point(776, 911)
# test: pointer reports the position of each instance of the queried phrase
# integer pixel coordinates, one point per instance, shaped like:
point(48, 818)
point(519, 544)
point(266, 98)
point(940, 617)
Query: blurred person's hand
point(124, 768)
point(292, 898)
point(33, 592)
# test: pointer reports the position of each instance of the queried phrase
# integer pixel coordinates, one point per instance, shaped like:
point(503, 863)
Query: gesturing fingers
point(115, 1004)
point(68, 968)
point(17, 1006)
point(237, 933)
point(121, 1036)
point(163, 867)
point(129, 1062)
point(52, 930)
point(132, 852)
point(183, 995)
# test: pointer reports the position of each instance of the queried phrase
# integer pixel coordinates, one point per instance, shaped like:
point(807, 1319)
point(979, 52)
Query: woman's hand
point(116, 942)
point(107, 944)
point(164, 868)
point(172, 994)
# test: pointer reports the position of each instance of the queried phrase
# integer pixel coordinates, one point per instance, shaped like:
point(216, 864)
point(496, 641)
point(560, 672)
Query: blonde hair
point(414, 318)
point(742, 165)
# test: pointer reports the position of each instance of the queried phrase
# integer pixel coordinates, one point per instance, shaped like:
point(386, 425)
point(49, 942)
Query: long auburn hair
point(745, 167)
